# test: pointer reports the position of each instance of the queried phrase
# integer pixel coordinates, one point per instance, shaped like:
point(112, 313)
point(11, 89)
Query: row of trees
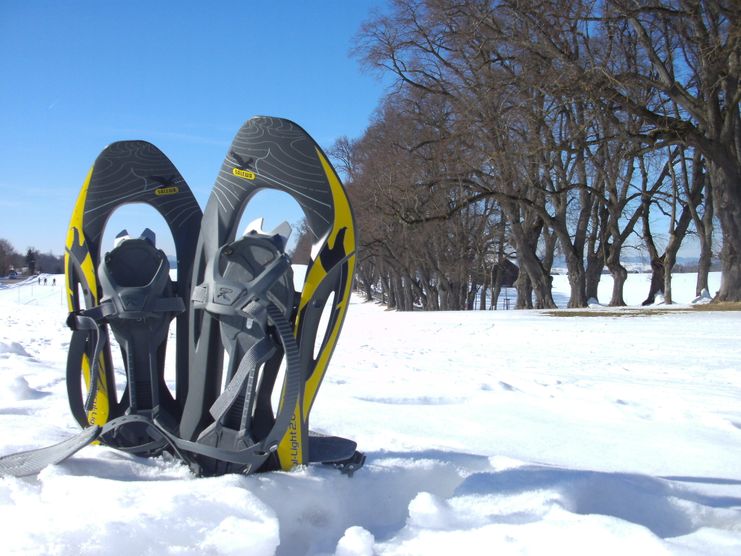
point(529, 129)
point(33, 261)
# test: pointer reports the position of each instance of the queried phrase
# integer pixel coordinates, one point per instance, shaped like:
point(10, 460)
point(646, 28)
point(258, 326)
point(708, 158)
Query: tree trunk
point(693, 187)
point(524, 290)
point(670, 260)
point(484, 289)
point(496, 291)
point(675, 242)
point(657, 280)
point(368, 290)
point(391, 303)
point(408, 293)
point(595, 256)
point(577, 281)
point(497, 275)
point(458, 291)
point(595, 264)
point(549, 241)
point(433, 297)
point(430, 295)
point(471, 297)
point(399, 293)
point(657, 261)
point(705, 233)
point(444, 289)
point(619, 276)
point(727, 204)
point(420, 291)
point(539, 281)
point(703, 270)
point(366, 282)
point(496, 287)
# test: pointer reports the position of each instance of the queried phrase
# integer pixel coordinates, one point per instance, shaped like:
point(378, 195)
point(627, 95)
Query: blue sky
point(77, 75)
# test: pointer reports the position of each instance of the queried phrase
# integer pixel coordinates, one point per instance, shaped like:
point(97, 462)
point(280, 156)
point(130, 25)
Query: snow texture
point(500, 432)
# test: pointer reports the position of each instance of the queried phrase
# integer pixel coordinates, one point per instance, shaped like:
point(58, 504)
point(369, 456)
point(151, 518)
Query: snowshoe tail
point(244, 305)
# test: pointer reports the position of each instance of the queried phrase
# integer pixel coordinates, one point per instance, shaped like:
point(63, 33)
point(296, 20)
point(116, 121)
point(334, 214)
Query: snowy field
point(486, 432)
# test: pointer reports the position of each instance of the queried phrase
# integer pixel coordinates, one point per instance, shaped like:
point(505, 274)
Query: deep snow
point(500, 432)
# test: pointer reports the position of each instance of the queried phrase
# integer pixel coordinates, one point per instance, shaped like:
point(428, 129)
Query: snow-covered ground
point(486, 432)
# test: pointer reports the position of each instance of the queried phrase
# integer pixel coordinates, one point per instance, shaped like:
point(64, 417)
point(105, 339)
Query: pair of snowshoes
point(239, 320)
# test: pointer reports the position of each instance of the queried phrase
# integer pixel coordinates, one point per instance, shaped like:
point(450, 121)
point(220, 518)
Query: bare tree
point(703, 222)
point(687, 183)
point(689, 53)
point(544, 111)
point(7, 256)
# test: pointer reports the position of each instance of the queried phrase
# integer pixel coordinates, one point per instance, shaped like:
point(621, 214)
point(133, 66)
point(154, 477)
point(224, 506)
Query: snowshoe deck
point(127, 172)
point(267, 153)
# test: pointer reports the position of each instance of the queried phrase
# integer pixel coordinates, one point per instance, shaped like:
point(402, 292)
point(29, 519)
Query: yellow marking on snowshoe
point(86, 263)
point(245, 174)
point(98, 414)
point(312, 384)
point(166, 191)
point(289, 454)
point(291, 448)
point(75, 224)
point(342, 221)
point(76, 242)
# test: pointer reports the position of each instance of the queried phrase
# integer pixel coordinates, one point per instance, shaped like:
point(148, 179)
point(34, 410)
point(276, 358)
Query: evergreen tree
point(31, 258)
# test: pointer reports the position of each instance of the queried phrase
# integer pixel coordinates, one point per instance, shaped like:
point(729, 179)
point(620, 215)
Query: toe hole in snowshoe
point(153, 234)
point(275, 208)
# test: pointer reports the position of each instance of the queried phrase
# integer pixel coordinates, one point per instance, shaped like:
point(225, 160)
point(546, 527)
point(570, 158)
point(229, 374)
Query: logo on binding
point(224, 296)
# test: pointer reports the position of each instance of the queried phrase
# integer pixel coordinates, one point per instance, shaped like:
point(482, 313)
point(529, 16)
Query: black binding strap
point(31, 462)
point(86, 326)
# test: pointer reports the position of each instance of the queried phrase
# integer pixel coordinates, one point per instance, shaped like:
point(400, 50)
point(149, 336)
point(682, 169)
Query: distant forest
point(29, 263)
